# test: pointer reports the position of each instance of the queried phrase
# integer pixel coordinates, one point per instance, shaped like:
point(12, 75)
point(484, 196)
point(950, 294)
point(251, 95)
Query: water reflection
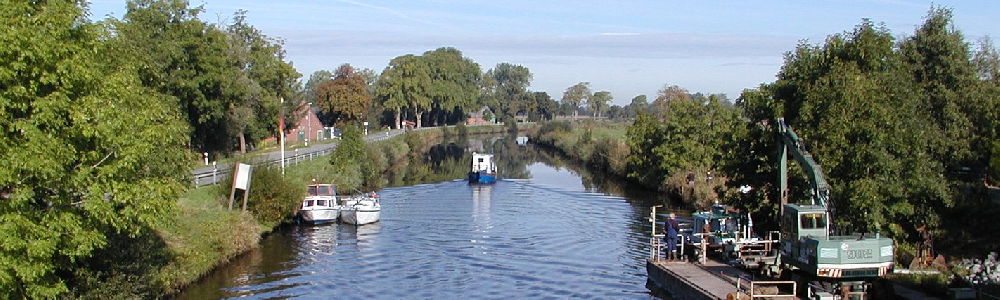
point(481, 206)
point(547, 229)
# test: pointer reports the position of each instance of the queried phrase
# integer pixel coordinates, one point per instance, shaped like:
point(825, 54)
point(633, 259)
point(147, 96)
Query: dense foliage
point(904, 130)
point(88, 150)
point(227, 81)
point(891, 122)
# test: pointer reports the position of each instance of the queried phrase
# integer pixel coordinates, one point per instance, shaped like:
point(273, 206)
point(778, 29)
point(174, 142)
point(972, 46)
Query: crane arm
point(791, 143)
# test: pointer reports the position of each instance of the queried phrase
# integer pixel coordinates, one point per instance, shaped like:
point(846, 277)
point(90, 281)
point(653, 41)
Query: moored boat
point(320, 204)
point(361, 209)
point(726, 230)
point(484, 170)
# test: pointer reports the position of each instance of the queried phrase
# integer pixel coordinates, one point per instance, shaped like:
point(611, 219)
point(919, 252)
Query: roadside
point(210, 174)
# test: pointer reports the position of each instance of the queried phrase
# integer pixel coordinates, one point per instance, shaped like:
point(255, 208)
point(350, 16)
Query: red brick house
point(298, 134)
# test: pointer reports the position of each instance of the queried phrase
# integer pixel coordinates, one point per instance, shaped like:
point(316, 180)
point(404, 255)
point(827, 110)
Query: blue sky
point(628, 47)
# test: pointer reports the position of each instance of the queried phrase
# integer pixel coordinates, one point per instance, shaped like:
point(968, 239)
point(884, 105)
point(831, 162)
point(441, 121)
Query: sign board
point(242, 180)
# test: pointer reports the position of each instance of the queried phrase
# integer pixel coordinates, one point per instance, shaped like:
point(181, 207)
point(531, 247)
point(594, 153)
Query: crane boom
point(791, 143)
point(807, 246)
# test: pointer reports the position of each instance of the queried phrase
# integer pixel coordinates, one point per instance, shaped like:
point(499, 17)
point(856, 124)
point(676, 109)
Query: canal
point(546, 230)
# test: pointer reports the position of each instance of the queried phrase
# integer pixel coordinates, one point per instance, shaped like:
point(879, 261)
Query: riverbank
point(605, 148)
point(602, 146)
point(204, 235)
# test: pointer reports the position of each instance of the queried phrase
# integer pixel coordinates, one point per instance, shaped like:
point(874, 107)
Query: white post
point(309, 126)
point(206, 158)
point(654, 251)
point(281, 135)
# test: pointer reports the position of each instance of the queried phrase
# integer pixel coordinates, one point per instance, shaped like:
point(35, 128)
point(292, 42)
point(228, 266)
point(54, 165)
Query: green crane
point(824, 263)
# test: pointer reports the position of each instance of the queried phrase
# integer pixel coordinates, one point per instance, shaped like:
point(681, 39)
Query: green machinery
point(830, 266)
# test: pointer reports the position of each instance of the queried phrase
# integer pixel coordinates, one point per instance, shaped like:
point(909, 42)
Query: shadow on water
point(548, 228)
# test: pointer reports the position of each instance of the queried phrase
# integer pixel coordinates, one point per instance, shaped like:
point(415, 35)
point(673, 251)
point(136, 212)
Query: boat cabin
point(319, 195)
point(483, 163)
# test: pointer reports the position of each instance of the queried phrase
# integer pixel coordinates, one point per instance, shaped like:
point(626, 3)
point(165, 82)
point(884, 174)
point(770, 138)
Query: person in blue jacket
point(670, 230)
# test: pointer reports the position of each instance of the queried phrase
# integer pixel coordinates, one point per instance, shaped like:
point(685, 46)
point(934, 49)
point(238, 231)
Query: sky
point(626, 47)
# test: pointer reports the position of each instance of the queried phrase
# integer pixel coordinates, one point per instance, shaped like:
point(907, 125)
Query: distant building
point(478, 118)
point(308, 122)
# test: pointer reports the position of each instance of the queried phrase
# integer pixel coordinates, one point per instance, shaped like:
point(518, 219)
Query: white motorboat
point(360, 209)
point(320, 204)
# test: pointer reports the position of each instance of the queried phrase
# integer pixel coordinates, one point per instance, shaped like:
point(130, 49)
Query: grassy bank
point(602, 146)
point(203, 235)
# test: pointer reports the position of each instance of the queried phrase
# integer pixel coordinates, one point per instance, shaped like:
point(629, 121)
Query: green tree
point(309, 89)
point(987, 120)
point(946, 79)
point(454, 82)
point(642, 137)
point(403, 84)
point(87, 149)
point(575, 95)
point(666, 96)
point(599, 101)
point(637, 105)
point(269, 78)
point(546, 107)
point(349, 159)
point(852, 101)
point(509, 87)
point(192, 61)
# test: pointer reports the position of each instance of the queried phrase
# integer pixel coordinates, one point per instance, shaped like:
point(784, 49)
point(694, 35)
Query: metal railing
point(746, 287)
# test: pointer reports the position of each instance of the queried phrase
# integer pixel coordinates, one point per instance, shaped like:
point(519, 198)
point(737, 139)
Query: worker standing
point(670, 233)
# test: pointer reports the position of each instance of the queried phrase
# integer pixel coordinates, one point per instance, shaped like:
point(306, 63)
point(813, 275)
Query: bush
point(272, 199)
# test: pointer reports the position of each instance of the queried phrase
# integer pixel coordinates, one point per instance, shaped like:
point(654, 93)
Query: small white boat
point(320, 204)
point(360, 209)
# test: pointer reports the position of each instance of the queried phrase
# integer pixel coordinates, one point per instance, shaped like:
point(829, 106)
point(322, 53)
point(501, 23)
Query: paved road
point(207, 175)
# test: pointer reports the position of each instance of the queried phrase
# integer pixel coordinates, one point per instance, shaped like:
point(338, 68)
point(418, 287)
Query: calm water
point(553, 234)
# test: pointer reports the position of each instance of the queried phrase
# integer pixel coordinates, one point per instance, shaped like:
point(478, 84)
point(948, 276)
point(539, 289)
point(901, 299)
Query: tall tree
point(667, 95)
point(599, 101)
point(403, 84)
point(545, 105)
point(639, 104)
point(851, 99)
point(510, 86)
point(311, 85)
point(86, 149)
point(575, 95)
point(987, 62)
point(271, 78)
point(942, 70)
point(346, 96)
point(455, 80)
point(191, 60)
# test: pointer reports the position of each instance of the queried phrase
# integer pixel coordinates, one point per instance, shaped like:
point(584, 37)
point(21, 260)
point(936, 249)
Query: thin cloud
point(392, 12)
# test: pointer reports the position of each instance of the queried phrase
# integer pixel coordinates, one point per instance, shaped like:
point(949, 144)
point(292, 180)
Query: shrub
point(272, 199)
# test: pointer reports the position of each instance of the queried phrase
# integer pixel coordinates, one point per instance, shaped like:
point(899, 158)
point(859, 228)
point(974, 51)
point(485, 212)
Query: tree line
point(101, 119)
point(905, 128)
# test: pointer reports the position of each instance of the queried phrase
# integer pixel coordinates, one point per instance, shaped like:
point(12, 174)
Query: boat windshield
point(312, 190)
point(325, 190)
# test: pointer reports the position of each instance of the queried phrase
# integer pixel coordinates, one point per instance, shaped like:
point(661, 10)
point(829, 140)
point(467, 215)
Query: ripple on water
point(513, 239)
